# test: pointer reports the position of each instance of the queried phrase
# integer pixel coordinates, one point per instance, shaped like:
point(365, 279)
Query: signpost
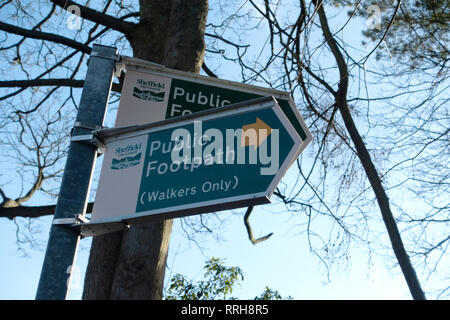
point(214, 160)
point(73, 195)
point(183, 144)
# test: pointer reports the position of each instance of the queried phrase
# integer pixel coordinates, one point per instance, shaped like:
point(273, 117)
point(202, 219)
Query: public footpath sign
point(209, 161)
point(140, 176)
point(152, 92)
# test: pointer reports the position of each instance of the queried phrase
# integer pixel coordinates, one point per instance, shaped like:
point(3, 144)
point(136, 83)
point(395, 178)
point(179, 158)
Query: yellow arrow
point(255, 133)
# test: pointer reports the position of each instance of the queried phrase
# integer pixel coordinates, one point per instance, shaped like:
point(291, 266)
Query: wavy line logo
point(126, 162)
point(149, 90)
point(126, 157)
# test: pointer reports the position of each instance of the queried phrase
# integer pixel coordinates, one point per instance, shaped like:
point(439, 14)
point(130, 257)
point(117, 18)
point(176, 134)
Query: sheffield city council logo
point(149, 90)
point(127, 156)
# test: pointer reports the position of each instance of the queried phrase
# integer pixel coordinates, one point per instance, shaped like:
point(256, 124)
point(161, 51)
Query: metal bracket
point(90, 138)
point(103, 55)
point(120, 66)
point(96, 229)
point(79, 218)
point(88, 126)
point(87, 229)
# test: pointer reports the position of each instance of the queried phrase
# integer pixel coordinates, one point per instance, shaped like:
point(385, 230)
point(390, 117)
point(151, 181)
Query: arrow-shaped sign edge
point(107, 135)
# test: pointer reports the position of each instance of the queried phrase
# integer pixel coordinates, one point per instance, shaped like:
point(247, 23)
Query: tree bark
point(102, 266)
point(141, 263)
point(133, 267)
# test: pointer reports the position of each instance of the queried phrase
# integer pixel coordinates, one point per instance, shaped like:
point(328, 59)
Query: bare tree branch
point(98, 17)
point(33, 211)
point(249, 228)
point(61, 82)
point(34, 34)
point(208, 71)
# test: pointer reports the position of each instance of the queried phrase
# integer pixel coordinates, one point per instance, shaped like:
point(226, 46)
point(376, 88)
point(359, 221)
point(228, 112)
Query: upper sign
point(206, 162)
point(153, 93)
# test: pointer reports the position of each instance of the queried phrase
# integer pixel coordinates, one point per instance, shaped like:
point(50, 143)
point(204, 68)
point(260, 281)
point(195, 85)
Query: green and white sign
point(209, 161)
point(153, 93)
point(226, 156)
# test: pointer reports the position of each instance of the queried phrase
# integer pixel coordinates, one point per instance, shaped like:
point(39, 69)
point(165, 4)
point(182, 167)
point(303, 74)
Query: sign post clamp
point(90, 138)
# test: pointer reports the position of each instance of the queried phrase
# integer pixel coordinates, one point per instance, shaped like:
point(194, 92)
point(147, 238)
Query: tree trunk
point(131, 264)
point(102, 266)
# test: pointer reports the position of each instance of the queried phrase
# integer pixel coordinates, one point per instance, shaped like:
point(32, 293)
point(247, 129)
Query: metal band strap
point(90, 138)
point(114, 57)
point(88, 126)
point(79, 218)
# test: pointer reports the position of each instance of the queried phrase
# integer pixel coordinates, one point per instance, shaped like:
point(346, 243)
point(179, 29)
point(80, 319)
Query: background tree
point(378, 126)
point(217, 284)
point(412, 59)
point(419, 36)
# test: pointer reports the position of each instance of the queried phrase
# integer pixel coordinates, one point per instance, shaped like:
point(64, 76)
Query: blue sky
point(284, 262)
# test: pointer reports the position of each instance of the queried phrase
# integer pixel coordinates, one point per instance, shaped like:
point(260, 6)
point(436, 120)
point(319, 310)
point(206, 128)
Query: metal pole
point(73, 195)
